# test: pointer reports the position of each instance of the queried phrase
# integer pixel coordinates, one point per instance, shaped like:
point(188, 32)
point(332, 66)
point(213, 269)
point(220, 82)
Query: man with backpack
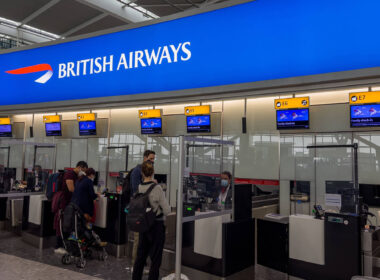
point(63, 197)
point(135, 180)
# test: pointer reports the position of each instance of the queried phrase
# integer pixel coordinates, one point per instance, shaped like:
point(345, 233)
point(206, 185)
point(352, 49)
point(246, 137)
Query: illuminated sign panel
point(256, 43)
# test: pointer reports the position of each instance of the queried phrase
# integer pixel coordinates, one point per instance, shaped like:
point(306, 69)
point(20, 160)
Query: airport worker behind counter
point(151, 242)
point(225, 195)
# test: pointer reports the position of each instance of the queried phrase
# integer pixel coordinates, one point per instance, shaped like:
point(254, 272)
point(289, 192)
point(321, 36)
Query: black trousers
point(151, 244)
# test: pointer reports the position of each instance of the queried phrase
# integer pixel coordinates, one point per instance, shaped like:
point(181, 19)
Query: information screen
point(53, 129)
point(87, 128)
point(198, 124)
point(151, 126)
point(293, 119)
point(5, 130)
point(365, 115)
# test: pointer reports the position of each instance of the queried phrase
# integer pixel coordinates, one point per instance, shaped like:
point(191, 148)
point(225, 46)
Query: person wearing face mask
point(68, 186)
point(225, 195)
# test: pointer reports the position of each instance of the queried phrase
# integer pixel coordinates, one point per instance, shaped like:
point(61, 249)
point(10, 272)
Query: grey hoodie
point(156, 198)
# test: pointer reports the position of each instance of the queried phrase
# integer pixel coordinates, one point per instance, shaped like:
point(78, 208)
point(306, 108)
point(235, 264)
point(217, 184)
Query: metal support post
point(178, 249)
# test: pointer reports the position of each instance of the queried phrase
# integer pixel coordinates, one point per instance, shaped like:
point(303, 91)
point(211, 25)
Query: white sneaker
point(146, 271)
point(60, 251)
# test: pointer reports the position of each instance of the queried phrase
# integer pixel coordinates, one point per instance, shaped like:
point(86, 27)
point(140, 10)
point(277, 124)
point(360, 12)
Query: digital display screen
point(151, 126)
point(365, 115)
point(293, 119)
point(198, 124)
point(53, 129)
point(87, 128)
point(5, 130)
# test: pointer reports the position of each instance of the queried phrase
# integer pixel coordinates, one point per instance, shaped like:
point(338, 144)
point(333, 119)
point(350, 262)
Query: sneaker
point(60, 251)
point(73, 237)
point(146, 271)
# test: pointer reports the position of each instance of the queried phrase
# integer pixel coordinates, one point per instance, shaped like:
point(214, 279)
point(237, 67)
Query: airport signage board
point(5, 121)
point(365, 97)
point(291, 103)
point(197, 110)
point(150, 114)
point(82, 117)
point(52, 119)
point(240, 44)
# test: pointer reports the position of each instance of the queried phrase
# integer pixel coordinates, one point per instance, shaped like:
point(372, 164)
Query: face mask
point(224, 183)
point(81, 173)
point(92, 179)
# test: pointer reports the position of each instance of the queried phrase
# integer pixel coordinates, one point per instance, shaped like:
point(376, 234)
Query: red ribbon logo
point(33, 69)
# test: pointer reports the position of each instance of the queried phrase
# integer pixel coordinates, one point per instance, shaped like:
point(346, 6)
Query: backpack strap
point(150, 189)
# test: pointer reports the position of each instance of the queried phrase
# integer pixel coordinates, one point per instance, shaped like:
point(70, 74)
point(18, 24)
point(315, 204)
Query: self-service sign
point(365, 97)
point(82, 117)
point(198, 110)
point(5, 121)
point(291, 103)
point(150, 114)
point(183, 56)
point(51, 119)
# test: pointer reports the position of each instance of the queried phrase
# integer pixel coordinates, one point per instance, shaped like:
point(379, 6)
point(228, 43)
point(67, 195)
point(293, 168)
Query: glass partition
point(317, 169)
point(204, 190)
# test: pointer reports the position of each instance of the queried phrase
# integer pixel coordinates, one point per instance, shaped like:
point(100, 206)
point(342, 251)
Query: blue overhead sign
point(255, 41)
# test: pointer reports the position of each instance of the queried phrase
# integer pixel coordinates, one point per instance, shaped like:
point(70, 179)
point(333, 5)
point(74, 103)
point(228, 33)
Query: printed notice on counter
point(333, 200)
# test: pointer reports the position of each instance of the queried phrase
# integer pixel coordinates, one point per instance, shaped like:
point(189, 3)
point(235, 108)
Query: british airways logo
point(167, 54)
point(33, 69)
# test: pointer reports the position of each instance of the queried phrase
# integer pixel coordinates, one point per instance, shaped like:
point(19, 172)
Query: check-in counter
point(110, 223)
point(273, 242)
point(38, 221)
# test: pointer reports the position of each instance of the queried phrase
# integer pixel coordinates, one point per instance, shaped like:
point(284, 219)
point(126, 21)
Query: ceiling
point(35, 21)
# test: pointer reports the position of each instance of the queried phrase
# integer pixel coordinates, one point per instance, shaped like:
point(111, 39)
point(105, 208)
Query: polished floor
point(19, 260)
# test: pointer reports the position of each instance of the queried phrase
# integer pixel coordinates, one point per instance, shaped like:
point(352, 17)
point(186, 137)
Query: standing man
point(69, 179)
point(136, 180)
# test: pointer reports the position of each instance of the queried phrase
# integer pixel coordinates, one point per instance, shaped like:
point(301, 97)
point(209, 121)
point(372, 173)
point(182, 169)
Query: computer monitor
point(53, 129)
point(293, 119)
point(6, 130)
point(151, 126)
point(365, 115)
point(197, 124)
point(87, 128)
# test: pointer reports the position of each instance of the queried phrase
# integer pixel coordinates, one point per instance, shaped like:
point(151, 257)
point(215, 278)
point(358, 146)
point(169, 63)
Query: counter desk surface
point(19, 194)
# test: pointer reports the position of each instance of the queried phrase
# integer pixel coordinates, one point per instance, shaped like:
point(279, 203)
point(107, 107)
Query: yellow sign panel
point(150, 114)
point(51, 119)
point(198, 110)
point(291, 103)
point(85, 117)
point(5, 121)
point(365, 97)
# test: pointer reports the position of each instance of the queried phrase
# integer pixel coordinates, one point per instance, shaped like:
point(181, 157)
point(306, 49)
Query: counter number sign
point(292, 103)
point(365, 97)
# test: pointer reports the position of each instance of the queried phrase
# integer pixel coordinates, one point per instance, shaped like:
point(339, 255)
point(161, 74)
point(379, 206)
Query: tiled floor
point(19, 260)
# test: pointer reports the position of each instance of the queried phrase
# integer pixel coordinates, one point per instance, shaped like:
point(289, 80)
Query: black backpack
point(140, 214)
